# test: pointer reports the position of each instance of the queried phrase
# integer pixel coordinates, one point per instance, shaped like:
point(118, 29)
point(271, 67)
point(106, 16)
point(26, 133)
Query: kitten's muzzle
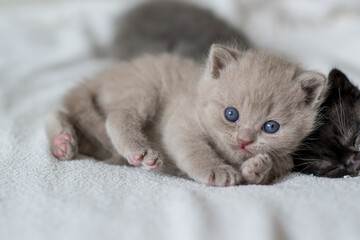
point(244, 138)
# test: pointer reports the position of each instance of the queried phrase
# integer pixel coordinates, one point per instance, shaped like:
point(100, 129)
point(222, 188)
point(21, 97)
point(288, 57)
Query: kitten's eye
point(271, 126)
point(231, 114)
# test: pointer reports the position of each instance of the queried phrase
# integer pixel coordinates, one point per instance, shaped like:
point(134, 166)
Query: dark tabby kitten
point(333, 150)
point(174, 27)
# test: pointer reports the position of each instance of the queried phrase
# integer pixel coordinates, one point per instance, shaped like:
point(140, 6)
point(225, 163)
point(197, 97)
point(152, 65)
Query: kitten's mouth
point(244, 149)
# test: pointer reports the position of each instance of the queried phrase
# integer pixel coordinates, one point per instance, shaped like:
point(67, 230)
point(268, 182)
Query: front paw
point(147, 158)
point(221, 176)
point(256, 170)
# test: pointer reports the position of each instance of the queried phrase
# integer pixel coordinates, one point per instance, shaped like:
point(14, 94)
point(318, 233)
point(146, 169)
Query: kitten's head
point(333, 149)
point(254, 102)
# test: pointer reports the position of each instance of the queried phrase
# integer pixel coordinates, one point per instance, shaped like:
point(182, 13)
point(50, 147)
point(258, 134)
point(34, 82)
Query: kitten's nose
point(244, 138)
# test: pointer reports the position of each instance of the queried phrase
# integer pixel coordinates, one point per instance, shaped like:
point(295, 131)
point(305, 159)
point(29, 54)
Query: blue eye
point(271, 127)
point(231, 114)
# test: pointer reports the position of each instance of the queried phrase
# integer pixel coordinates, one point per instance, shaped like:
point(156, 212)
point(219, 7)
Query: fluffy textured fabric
point(46, 48)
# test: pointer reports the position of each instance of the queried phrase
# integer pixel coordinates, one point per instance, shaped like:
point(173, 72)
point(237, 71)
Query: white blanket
point(46, 47)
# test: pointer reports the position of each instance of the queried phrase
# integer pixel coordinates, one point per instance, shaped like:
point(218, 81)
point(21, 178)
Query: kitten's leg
point(125, 131)
point(87, 115)
point(62, 136)
point(256, 170)
point(194, 156)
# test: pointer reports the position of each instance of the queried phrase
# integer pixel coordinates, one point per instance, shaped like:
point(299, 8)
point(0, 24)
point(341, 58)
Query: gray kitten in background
point(234, 121)
point(173, 27)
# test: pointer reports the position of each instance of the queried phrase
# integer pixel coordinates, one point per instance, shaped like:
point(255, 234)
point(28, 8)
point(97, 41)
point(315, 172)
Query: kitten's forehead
point(263, 67)
point(262, 79)
point(258, 71)
point(344, 112)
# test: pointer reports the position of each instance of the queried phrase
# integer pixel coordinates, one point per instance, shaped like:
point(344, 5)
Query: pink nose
point(242, 143)
point(244, 138)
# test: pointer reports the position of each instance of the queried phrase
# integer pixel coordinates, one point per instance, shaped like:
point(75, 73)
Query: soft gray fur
point(174, 27)
point(164, 110)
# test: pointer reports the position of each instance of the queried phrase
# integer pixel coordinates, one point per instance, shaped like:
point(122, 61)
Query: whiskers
point(306, 146)
point(275, 152)
point(318, 163)
point(307, 161)
point(340, 124)
point(343, 122)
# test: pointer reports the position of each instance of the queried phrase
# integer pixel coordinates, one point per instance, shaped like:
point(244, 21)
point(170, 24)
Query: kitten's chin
point(243, 153)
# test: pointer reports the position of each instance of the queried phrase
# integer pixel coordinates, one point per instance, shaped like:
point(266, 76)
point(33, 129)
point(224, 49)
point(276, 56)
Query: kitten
point(174, 27)
point(333, 149)
point(236, 122)
point(169, 26)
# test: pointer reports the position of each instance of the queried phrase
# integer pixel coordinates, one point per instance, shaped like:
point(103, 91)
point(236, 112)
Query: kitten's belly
point(157, 131)
point(154, 130)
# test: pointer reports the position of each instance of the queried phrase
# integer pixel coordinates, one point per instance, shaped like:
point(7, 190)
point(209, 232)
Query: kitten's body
point(333, 149)
point(165, 111)
point(173, 27)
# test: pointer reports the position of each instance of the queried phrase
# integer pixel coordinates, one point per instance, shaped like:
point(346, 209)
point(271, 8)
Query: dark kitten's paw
point(64, 145)
point(147, 158)
point(222, 176)
point(256, 169)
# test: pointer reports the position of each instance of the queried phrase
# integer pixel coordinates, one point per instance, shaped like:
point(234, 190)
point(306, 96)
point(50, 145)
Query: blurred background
point(40, 34)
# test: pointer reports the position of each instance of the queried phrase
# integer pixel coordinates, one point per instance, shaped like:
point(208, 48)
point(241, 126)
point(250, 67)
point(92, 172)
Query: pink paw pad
point(67, 137)
point(150, 162)
point(154, 164)
point(149, 159)
point(58, 140)
point(248, 169)
point(63, 147)
point(209, 180)
point(59, 153)
point(60, 144)
point(134, 160)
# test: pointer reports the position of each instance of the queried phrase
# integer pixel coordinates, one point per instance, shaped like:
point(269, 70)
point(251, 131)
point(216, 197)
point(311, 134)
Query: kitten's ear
point(339, 82)
point(219, 57)
point(314, 85)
